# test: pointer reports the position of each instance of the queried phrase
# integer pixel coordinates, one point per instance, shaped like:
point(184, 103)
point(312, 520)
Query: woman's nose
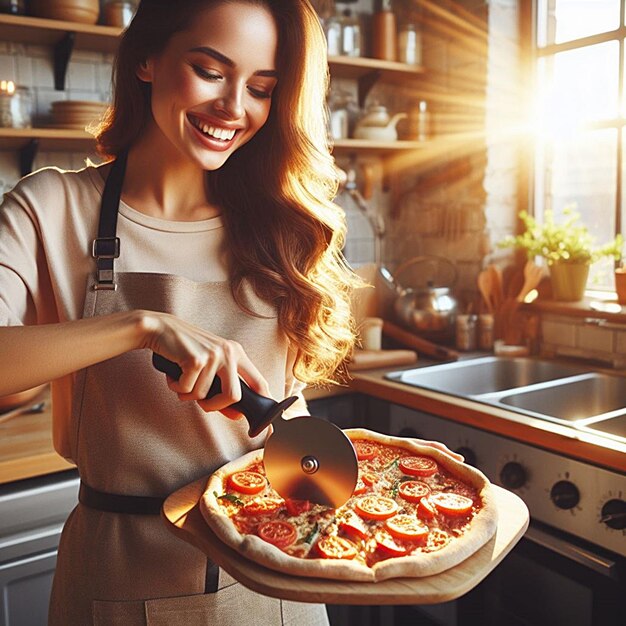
point(231, 102)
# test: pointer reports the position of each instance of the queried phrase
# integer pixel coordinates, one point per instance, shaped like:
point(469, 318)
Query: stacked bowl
point(76, 114)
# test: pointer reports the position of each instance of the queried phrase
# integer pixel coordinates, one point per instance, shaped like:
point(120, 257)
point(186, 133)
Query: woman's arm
point(31, 355)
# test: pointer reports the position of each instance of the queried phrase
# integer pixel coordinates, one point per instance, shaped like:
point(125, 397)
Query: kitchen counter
point(26, 448)
point(26, 441)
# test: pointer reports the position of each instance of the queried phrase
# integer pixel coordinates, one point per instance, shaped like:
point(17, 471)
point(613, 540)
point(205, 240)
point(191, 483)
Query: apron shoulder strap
point(106, 247)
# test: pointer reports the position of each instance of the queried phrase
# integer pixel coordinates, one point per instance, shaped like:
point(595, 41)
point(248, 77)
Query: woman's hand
point(440, 446)
point(202, 355)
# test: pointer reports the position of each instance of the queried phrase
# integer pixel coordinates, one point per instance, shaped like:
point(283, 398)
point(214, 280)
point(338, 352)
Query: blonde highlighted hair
point(276, 191)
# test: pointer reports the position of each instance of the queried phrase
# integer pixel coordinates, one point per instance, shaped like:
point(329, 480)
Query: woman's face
point(212, 84)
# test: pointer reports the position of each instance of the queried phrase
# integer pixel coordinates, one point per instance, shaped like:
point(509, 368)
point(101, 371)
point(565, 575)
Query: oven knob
point(613, 514)
point(565, 494)
point(513, 475)
point(468, 454)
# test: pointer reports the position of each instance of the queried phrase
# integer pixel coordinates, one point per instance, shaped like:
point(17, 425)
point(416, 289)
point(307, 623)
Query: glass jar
point(333, 31)
point(410, 45)
point(350, 34)
point(16, 106)
point(419, 122)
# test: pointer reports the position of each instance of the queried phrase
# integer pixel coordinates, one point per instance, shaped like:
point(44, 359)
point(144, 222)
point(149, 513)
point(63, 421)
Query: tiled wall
point(586, 338)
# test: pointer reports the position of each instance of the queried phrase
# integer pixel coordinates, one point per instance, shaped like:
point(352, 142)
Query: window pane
point(565, 20)
point(577, 87)
point(581, 171)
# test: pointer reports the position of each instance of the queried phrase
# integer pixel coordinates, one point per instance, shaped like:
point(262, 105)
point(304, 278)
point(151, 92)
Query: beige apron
point(132, 436)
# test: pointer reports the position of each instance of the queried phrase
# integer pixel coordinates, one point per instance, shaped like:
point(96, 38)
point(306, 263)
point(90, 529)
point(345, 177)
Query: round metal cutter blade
point(308, 458)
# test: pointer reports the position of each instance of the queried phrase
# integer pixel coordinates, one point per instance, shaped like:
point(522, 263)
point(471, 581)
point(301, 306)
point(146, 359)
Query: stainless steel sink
point(573, 399)
point(540, 388)
point(492, 374)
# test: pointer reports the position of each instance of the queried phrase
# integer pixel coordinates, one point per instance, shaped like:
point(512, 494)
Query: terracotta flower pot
point(569, 281)
point(620, 284)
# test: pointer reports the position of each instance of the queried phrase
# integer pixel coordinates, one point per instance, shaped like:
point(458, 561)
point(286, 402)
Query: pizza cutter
point(305, 458)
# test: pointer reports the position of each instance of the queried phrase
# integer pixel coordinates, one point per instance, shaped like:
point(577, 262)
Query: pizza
point(415, 512)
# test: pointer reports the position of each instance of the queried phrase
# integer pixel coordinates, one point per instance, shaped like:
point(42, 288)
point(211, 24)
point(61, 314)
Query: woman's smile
point(211, 97)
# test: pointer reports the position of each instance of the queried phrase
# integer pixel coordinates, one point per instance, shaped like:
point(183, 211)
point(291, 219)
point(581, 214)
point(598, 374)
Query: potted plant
point(568, 249)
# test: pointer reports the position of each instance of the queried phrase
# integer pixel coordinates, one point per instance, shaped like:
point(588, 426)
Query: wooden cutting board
point(183, 517)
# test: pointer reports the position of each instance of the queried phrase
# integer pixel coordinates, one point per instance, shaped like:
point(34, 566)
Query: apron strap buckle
point(104, 250)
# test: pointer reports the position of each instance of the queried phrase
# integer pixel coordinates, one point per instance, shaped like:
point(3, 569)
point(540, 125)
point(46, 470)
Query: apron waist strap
point(118, 503)
point(137, 505)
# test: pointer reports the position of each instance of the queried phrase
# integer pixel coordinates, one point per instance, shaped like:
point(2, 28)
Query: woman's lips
point(214, 143)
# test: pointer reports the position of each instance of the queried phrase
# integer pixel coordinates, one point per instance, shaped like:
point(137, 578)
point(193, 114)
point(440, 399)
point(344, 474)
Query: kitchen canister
point(485, 331)
point(384, 32)
point(466, 332)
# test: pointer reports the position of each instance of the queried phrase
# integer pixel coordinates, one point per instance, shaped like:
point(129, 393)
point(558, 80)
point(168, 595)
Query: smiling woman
point(210, 237)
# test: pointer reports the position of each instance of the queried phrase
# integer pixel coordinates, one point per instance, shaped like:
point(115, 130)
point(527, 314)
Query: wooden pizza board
point(182, 515)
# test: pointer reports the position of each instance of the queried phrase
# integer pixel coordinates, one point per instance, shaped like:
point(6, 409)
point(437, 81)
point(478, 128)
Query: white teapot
point(376, 125)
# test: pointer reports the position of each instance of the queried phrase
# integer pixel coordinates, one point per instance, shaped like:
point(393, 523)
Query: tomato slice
point(353, 526)
point(413, 490)
point(387, 545)
point(247, 482)
point(418, 465)
point(365, 451)
point(425, 510)
point(297, 507)
point(279, 533)
point(262, 506)
point(407, 527)
point(334, 547)
point(452, 503)
point(369, 479)
point(376, 507)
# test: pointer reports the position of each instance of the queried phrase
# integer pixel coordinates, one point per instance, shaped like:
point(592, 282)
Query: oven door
point(548, 578)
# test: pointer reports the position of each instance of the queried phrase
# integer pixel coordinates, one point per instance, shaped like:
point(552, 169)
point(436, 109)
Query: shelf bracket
point(366, 82)
point(62, 54)
point(27, 156)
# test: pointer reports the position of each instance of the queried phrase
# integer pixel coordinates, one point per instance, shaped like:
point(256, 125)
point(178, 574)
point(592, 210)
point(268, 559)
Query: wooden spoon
point(497, 292)
point(485, 287)
point(532, 277)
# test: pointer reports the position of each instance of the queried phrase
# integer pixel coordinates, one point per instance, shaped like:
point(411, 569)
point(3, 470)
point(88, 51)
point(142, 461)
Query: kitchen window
point(579, 116)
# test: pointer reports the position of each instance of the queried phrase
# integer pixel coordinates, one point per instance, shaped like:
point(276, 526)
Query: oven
point(568, 569)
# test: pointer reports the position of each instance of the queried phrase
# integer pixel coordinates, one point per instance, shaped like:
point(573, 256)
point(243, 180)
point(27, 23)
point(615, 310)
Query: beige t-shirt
point(47, 224)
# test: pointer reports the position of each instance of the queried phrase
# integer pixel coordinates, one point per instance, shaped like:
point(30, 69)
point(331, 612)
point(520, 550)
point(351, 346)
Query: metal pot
point(429, 310)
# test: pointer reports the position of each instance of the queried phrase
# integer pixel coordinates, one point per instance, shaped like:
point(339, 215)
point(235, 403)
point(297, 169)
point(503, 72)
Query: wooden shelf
point(44, 32)
point(378, 147)
point(49, 138)
point(356, 67)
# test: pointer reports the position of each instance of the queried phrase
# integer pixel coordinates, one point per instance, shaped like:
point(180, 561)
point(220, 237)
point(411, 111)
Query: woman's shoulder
point(47, 182)
point(50, 192)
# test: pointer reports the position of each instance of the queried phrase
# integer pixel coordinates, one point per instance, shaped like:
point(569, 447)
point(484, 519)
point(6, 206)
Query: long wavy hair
point(276, 191)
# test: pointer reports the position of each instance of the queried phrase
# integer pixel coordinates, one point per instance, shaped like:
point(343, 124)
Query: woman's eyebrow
point(218, 56)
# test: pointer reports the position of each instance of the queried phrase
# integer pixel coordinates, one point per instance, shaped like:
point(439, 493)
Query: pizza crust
point(482, 528)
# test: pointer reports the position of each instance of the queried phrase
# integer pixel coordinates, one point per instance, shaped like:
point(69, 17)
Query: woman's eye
point(200, 71)
point(258, 93)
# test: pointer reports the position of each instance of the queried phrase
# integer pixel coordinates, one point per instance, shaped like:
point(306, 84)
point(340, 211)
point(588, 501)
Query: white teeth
point(213, 131)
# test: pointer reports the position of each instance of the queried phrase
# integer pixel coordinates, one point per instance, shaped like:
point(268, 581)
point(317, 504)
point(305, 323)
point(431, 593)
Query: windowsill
point(595, 304)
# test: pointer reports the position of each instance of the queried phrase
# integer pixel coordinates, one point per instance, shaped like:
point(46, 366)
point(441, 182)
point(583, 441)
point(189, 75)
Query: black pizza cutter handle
point(257, 409)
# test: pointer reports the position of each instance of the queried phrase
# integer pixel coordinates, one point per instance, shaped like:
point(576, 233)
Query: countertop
point(26, 441)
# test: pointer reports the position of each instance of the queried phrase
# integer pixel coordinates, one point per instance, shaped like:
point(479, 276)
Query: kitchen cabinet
point(64, 37)
point(32, 514)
